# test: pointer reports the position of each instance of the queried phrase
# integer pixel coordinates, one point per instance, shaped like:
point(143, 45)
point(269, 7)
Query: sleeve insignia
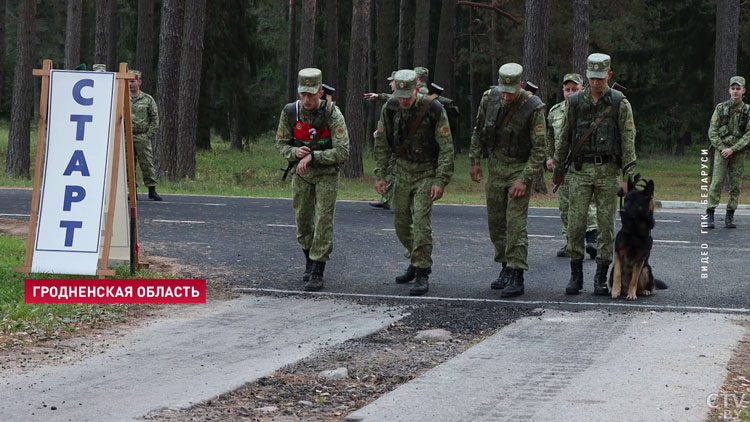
point(380, 127)
point(629, 125)
point(339, 133)
point(539, 129)
point(445, 130)
point(714, 118)
point(299, 126)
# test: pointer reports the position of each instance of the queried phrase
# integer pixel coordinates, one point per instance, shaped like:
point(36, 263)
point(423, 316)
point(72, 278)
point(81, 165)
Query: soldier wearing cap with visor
point(386, 198)
point(414, 129)
point(510, 133)
point(572, 83)
point(423, 76)
point(145, 117)
point(312, 136)
point(729, 134)
point(599, 127)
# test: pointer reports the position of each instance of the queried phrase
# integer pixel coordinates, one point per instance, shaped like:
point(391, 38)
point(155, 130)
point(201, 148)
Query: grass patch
point(255, 172)
point(41, 320)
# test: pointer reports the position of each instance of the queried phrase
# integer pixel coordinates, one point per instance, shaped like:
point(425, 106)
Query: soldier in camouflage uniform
point(601, 120)
point(145, 117)
point(510, 132)
point(312, 136)
point(414, 129)
point(729, 134)
point(423, 76)
point(572, 83)
point(387, 197)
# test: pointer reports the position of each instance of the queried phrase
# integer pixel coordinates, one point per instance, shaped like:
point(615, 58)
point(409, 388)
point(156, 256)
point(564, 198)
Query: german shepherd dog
point(632, 276)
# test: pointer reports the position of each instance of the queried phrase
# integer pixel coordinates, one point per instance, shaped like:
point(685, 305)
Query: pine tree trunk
point(403, 35)
point(3, 5)
point(422, 33)
point(444, 56)
point(203, 134)
point(168, 85)
point(114, 35)
point(355, 86)
point(580, 37)
point(372, 81)
point(725, 60)
point(332, 41)
point(307, 34)
point(473, 101)
point(190, 86)
point(386, 40)
point(72, 34)
point(101, 43)
point(291, 65)
point(535, 59)
point(144, 56)
point(19, 142)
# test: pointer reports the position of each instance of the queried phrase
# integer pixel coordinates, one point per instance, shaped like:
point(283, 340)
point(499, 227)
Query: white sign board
point(79, 132)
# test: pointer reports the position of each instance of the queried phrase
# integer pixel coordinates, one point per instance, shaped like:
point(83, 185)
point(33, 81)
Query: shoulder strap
point(514, 107)
point(590, 131)
point(420, 115)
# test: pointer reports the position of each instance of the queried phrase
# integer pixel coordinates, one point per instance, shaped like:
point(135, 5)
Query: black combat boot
point(152, 193)
point(710, 222)
point(308, 265)
point(591, 243)
point(378, 204)
point(576, 278)
point(316, 277)
point(600, 280)
point(729, 220)
point(563, 252)
point(516, 284)
point(407, 276)
point(503, 280)
point(420, 285)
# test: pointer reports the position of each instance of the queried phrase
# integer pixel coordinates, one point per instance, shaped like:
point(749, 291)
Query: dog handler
point(601, 121)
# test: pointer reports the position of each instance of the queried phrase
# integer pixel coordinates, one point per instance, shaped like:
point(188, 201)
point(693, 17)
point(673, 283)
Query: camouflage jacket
point(384, 97)
point(431, 128)
point(555, 119)
point(325, 162)
point(537, 134)
point(144, 114)
point(734, 137)
point(625, 129)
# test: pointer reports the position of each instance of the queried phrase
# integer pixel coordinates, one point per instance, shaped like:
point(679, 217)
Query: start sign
point(79, 131)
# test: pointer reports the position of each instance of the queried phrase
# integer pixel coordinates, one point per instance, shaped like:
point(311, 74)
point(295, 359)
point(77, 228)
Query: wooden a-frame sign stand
point(122, 118)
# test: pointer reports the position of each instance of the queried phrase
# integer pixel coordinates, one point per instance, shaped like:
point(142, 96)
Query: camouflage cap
point(390, 78)
point(81, 66)
point(573, 77)
point(739, 80)
point(309, 80)
point(406, 82)
point(598, 66)
point(422, 71)
point(136, 73)
point(509, 77)
point(99, 67)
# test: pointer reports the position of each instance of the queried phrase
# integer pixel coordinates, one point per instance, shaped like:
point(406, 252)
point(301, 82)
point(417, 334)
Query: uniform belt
point(598, 159)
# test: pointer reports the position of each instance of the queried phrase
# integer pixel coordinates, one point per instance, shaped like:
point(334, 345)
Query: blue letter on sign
point(77, 163)
point(77, 92)
point(82, 119)
point(69, 227)
point(69, 198)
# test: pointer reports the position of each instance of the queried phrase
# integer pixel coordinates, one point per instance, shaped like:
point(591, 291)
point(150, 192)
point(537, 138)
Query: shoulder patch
point(280, 135)
point(445, 130)
point(339, 133)
point(629, 125)
point(380, 126)
point(156, 109)
point(539, 130)
point(715, 118)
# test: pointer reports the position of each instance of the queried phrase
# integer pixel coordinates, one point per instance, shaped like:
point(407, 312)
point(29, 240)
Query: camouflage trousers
point(145, 158)
point(506, 216)
point(597, 184)
point(314, 205)
point(563, 199)
point(735, 165)
point(412, 218)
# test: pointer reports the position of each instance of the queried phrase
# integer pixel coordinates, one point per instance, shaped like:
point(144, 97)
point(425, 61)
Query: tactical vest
point(605, 139)
point(724, 117)
point(422, 147)
point(513, 139)
point(304, 134)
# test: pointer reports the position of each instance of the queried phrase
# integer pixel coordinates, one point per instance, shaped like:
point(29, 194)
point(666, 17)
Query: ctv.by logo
point(731, 404)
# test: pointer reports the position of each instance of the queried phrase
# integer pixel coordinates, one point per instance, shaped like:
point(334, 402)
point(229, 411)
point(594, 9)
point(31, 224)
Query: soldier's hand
point(380, 187)
point(302, 152)
point(302, 165)
point(624, 187)
point(370, 96)
point(476, 173)
point(550, 165)
point(518, 189)
point(727, 153)
point(436, 193)
point(558, 180)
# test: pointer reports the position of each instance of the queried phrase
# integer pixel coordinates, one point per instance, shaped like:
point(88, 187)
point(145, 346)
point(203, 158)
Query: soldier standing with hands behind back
point(145, 117)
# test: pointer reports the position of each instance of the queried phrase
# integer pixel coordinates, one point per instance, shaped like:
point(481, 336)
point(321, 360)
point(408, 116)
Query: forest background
point(226, 68)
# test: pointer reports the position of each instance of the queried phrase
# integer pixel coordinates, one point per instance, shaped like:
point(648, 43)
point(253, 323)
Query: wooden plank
point(130, 162)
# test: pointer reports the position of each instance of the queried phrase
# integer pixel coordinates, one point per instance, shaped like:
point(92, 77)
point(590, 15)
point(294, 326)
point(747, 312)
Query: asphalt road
point(251, 243)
